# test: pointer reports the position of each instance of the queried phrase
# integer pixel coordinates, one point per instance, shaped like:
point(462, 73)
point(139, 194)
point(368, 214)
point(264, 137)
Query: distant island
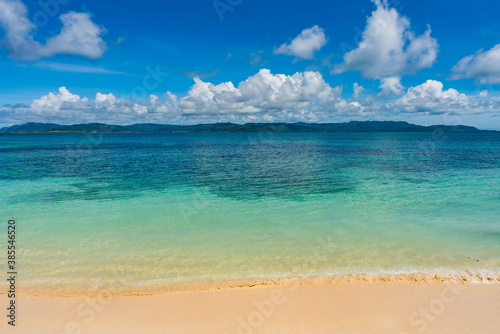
point(353, 126)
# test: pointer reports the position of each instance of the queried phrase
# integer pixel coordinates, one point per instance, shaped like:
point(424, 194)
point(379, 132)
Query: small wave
point(159, 287)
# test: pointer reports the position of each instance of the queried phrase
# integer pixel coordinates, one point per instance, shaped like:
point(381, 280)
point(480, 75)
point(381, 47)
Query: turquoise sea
point(150, 212)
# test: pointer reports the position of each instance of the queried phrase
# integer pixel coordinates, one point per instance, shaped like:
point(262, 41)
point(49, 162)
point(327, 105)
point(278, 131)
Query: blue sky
point(204, 61)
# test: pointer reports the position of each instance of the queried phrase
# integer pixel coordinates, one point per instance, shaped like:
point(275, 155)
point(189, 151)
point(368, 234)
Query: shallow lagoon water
point(151, 211)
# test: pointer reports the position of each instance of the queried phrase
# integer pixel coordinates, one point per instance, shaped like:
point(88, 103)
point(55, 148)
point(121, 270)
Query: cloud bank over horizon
point(263, 97)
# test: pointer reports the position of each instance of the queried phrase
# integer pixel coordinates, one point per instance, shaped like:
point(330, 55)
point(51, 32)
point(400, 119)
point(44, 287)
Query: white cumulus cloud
point(305, 44)
point(391, 85)
point(430, 96)
point(57, 101)
point(357, 90)
point(389, 49)
point(483, 66)
point(78, 35)
point(262, 92)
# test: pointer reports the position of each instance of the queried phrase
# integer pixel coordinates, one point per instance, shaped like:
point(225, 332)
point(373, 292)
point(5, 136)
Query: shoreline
point(394, 307)
point(119, 289)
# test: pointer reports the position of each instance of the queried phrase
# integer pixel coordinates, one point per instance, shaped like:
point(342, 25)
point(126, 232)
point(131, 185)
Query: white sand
point(346, 307)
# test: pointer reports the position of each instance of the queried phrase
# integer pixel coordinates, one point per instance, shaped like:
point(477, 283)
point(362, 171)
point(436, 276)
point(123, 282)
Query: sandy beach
point(398, 307)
